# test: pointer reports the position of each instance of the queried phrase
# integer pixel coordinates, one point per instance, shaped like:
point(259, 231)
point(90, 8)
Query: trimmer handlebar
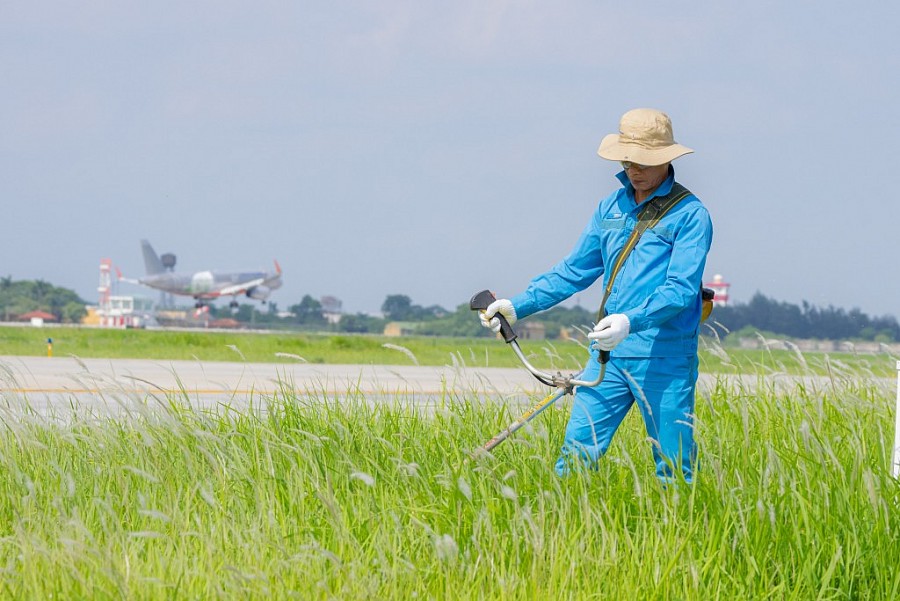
point(564, 384)
point(483, 299)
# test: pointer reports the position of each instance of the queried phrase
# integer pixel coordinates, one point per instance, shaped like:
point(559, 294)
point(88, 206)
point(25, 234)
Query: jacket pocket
point(613, 223)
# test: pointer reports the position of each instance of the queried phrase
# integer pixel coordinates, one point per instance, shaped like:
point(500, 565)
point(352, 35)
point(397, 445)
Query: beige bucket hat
point(645, 137)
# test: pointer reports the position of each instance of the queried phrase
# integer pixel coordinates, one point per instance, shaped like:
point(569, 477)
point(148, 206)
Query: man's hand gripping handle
point(481, 302)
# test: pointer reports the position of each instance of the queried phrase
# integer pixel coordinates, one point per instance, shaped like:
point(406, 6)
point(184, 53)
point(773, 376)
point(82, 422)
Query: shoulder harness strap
point(648, 218)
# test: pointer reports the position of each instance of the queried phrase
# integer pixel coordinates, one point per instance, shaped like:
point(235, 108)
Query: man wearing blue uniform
point(653, 309)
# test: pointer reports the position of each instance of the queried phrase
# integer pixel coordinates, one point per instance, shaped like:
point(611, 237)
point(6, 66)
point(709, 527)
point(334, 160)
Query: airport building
point(114, 311)
point(121, 312)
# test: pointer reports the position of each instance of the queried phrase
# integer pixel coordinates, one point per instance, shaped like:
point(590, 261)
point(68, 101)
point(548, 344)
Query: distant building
point(532, 330)
point(332, 309)
point(400, 328)
point(37, 318)
point(117, 311)
point(183, 318)
point(121, 312)
point(225, 322)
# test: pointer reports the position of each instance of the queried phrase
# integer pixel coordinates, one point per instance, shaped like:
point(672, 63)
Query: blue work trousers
point(662, 387)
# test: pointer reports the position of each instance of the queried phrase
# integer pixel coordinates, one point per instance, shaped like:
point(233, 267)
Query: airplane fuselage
point(212, 284)
point(206, 285)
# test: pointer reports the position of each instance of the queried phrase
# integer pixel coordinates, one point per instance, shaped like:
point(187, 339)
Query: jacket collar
point(661, 190)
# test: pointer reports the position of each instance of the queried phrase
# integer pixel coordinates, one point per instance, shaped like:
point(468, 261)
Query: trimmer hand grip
point(604, 357)
point(481, 301)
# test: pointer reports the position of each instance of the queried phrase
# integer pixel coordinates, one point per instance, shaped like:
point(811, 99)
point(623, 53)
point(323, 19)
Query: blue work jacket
point(657, 288)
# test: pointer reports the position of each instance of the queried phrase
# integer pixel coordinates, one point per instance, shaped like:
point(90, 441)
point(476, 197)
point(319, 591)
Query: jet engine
point(260, 293)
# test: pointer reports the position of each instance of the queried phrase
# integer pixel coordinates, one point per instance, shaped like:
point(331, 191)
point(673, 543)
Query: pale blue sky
point(434, 149)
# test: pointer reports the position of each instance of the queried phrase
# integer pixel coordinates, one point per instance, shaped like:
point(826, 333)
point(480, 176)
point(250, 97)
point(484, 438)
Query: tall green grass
point(312, 497)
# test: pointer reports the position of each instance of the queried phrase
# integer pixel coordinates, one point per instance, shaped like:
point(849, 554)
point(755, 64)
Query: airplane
point(204, 285)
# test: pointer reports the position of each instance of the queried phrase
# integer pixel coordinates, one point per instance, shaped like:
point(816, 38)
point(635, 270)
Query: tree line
point(760, 314)
point(432, 320)
point(24, 296)
point(803, 321)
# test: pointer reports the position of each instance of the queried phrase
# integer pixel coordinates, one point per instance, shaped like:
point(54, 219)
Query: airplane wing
point(240, 288)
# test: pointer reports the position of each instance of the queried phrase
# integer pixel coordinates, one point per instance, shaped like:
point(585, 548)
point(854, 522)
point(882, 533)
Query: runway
point(60, 386)
point(57, 385)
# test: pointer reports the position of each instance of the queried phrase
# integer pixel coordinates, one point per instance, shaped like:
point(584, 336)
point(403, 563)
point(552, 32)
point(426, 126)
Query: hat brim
point(612, 150)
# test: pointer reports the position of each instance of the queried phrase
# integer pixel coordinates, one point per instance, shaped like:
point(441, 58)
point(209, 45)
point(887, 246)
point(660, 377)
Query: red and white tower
point(105, 290)
point(720, 287)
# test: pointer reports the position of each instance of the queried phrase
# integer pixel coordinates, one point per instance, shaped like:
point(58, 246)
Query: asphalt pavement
point(57, 386)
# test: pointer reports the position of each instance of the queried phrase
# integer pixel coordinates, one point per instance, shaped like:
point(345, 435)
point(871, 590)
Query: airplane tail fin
point(151, 259)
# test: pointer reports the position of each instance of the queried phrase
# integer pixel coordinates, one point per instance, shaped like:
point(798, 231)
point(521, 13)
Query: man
point(652, 313)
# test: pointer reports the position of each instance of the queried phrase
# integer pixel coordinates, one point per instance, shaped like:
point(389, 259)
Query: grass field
point(365, 349)
point(319, 499)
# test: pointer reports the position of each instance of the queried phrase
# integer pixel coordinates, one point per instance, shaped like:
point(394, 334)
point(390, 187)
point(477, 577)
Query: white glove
point(502, 306)
point(611, 330)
